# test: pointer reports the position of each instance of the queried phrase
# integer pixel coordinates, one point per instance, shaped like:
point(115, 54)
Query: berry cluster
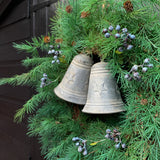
point(125, 37)
point(81, 144)
point(134, 74)
point(44, 80)
point(115, 136)
point(56, 53)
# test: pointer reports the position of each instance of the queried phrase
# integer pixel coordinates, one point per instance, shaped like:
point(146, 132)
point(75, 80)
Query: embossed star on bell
point(103, 93)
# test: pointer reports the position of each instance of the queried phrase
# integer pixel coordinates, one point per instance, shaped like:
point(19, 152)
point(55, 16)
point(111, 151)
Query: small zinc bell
point(74, 85)
point(103, 93)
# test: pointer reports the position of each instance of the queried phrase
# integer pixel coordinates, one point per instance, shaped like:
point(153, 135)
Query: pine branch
point(53, 122)
point(33, 47)
point(35, 61)
point(31, 105)
point(26, 47)
point(53, 152)
point(23, 79)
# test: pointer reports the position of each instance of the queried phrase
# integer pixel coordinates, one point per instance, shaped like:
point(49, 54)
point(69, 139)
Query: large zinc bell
point(74, 85)
point(103, 93)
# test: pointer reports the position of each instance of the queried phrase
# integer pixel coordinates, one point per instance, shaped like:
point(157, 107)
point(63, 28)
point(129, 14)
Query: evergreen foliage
point(56, 122)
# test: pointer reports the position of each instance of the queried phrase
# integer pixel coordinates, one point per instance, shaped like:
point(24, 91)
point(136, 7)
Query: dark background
point(20, 20)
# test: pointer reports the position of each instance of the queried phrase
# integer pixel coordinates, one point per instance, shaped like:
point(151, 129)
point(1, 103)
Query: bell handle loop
point(101, 58)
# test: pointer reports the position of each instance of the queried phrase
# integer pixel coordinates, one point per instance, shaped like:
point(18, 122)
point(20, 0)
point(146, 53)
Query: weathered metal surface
point(103, 93)
point(74, 85)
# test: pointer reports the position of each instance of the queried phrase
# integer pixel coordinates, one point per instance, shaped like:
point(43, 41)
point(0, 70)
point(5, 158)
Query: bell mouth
point(103, 109)
point(70, 97)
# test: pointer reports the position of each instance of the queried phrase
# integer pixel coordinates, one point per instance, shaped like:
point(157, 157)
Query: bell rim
point(71, 100)
point(102, 109)
point(94, 112)
point(103, 113)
